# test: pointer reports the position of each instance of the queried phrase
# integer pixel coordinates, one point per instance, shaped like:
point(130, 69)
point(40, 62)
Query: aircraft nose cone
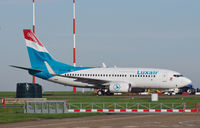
point(188, 81)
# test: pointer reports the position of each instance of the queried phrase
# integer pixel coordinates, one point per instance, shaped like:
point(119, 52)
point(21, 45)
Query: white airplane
point(106, 80)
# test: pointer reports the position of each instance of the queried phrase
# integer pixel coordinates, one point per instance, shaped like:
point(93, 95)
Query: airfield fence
point(62, 107)
point(45, 107)
point(128, 106)
point(134, 107)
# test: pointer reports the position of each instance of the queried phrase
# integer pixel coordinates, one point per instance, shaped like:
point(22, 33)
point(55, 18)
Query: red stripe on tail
point(29, 35)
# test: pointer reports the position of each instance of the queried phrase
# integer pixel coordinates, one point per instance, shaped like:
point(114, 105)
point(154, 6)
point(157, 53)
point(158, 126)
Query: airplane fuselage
point(136, 77)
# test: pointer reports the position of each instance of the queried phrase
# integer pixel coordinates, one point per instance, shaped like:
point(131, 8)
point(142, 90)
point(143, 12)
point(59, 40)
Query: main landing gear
point(102, 92)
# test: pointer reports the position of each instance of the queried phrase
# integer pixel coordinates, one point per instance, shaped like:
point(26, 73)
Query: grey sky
point(126, 33)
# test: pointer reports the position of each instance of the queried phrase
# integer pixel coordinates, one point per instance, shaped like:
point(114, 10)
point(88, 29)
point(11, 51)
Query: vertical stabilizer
point(39, 55)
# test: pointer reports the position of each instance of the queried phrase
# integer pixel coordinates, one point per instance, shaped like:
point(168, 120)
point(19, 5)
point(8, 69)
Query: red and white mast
point(34, 16)
point(74, 37)
point(34, 28)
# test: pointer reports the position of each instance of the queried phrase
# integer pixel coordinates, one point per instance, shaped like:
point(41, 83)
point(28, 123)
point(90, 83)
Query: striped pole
point(74, 37)
point(34, 16)
point(34, 28)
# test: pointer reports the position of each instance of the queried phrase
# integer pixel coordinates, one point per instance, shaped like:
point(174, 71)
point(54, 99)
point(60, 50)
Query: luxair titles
point(147, 72)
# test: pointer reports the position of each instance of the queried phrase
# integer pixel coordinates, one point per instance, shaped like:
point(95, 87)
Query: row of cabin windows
point(109, 75)
point(142, 75)
point(103, 75)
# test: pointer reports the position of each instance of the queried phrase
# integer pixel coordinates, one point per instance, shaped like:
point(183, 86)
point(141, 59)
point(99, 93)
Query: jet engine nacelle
point(119, 87)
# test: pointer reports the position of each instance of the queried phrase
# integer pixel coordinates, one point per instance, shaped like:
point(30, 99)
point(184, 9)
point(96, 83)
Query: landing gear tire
point(189, 91)
point(100, 93)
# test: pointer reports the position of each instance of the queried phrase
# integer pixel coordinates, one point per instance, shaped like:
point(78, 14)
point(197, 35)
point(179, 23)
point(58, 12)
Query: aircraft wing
point(79, 79)
point(86, 80)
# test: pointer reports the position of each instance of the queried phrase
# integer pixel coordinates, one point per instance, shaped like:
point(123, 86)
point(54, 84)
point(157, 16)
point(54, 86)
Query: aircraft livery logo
point(147, 72)
point(32, 37)
point(116, 87)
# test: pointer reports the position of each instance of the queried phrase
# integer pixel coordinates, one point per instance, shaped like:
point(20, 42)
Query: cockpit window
point(178, 75)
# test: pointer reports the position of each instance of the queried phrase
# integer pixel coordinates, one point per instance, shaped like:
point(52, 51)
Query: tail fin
point(38, 55)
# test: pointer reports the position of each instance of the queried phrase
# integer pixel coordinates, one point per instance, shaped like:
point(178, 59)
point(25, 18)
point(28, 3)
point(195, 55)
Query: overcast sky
point(127, 33)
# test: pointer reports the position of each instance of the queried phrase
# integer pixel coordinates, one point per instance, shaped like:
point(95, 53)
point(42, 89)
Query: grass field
point(17, 114)
point(95, 99)
point(75, 98)
point(8, 115)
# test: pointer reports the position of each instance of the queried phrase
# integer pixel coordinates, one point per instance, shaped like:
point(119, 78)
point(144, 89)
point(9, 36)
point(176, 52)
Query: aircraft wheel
point(99, 93)
point(189, 91)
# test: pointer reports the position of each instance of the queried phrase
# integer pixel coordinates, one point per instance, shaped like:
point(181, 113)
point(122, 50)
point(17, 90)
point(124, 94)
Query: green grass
point(8, 115)
point(95, 99)
point(7, 94)
point(50, 93)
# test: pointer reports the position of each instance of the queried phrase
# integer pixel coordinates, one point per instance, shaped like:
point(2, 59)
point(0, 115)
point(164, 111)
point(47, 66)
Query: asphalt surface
point(189, 120)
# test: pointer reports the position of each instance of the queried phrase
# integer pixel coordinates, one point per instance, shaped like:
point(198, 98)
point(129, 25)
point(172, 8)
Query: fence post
point(27, 106)
point(48, 107)
point(56, 108)
point(42, 107)
point(184, 106)
point(25, 110)
point(34, 107)
point(65, 107)
point(199, 107)
point(196, 107)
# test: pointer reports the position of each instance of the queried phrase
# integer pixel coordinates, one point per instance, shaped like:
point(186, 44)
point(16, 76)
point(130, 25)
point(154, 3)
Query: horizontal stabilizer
point(24, 68)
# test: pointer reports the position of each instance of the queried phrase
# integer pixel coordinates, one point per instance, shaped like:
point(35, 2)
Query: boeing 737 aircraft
point(106, 80)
